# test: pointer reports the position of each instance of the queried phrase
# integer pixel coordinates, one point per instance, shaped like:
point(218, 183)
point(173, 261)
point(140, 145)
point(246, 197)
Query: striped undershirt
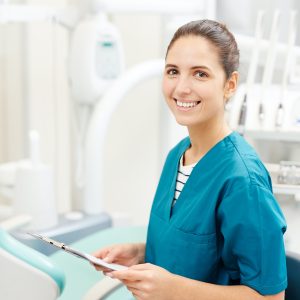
point(183, 175)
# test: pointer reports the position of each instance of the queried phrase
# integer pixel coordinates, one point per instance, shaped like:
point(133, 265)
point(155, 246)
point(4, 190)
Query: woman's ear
point(231, 85)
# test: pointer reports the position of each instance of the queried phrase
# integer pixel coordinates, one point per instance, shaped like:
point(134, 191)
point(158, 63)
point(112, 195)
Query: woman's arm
point(192, 289)
point(147, 281)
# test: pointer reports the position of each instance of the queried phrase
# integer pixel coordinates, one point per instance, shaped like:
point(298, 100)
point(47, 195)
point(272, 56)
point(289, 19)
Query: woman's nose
point(183, 86)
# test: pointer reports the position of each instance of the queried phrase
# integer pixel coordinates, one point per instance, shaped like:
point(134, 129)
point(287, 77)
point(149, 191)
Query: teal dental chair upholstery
point(27, 274)
point(83, 281)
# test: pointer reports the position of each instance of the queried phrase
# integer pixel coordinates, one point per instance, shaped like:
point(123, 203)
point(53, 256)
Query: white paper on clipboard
point(92, 259)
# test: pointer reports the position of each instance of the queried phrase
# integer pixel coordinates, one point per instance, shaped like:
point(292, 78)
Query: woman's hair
point(218, 35)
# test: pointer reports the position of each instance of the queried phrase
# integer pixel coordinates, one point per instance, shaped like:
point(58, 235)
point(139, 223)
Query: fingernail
point(109, 275)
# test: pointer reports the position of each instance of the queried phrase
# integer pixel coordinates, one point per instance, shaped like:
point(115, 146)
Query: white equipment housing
point(96, 58)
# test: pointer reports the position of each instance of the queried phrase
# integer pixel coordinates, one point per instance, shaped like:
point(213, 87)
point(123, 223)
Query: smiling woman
point(195, 83)
point(199, 75)
point(215, 229)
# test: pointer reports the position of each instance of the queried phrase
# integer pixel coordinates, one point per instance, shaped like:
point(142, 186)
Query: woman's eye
point(200, 74)
point(172, 72)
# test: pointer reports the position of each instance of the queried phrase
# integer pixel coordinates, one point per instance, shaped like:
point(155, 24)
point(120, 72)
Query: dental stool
point(27, 274)
point(83, 281)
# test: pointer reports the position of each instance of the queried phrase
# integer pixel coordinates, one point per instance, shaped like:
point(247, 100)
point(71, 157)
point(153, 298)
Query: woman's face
point(194, 82)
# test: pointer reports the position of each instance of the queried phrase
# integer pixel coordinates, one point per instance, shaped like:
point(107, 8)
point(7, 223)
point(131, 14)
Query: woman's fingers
point(129, 274)
point(123, 254)
point(111, 256)
point(136, 293)
point(143, 267)
point(101, 253)
point(134, 273)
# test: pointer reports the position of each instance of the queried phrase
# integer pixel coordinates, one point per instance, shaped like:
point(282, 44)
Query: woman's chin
point(186, 121)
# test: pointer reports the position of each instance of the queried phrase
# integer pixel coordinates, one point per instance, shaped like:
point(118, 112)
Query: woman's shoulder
point(245, 163)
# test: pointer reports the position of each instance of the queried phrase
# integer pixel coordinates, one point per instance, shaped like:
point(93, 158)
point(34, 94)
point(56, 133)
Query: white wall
point(47, 100)
point(47, 97)
point(11, 95)
point(11, 92)
point(34, 95)
point(132, 152)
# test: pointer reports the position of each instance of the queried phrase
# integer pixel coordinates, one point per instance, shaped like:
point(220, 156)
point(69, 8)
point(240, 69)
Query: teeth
point(186, 104)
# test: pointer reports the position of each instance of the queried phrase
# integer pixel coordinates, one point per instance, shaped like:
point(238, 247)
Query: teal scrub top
point(226, 227)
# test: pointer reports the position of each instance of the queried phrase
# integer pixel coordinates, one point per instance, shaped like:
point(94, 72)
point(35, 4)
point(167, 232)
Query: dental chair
point(293, 270)
point(27, 274)
point(82, 280)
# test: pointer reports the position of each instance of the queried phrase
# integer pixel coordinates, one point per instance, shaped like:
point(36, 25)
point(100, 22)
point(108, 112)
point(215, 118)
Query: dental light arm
point(97, 130)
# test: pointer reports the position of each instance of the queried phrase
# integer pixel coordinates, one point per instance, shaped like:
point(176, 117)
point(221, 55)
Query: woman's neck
point(203, 138)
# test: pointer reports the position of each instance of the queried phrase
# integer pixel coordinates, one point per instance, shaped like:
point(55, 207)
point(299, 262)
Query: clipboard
point(90, 258)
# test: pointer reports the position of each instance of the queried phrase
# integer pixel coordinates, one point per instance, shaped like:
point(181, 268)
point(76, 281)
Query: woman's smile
point(186, 105)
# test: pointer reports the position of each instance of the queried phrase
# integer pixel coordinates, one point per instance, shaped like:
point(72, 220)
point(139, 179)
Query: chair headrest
point(32, 257)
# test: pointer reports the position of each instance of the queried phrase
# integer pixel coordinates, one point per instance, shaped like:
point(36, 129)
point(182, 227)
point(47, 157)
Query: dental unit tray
point(92, 259)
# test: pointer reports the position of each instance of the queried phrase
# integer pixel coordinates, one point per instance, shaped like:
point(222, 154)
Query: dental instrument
point(269, 66)
point(291, 42)
point(252, 70)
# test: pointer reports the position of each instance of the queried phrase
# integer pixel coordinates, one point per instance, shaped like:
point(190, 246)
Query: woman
point(215, 229)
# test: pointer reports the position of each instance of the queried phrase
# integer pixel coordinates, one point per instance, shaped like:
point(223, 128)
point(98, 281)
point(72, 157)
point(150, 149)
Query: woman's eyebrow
point(200, 67)
point(192, 68)
point(170, 66)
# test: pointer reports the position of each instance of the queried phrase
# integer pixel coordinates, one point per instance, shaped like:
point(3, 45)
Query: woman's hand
point(147, 281)
point(122, 254)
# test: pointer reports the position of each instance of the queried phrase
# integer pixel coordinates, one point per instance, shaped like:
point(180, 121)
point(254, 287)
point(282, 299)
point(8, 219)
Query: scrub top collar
point(182, 197)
